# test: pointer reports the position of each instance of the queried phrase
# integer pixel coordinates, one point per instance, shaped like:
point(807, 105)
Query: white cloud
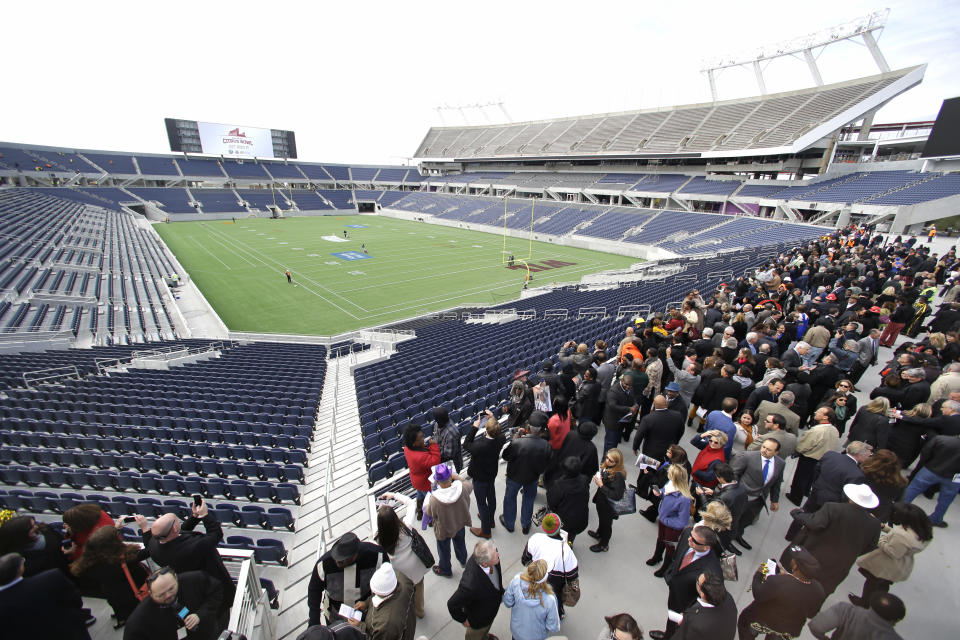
point(359, 82)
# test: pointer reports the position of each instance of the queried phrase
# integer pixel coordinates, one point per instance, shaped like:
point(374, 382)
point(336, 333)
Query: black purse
point(420, 547)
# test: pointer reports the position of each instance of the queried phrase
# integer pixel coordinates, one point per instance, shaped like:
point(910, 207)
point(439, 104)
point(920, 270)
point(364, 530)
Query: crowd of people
point(718, 401)
point(757, 374)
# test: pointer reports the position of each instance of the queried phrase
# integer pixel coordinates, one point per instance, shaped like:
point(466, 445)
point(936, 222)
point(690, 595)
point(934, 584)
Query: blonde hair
point(677, 475)
point(492, 427)
point(717, 516)
point(938, 340)
point(719, 435)
point(617, 458)
point(921, 410)
point(533, 576)
point(878, 405)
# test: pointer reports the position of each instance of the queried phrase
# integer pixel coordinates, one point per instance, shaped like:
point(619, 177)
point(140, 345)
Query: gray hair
point(707, 332)
point(484, 551)
point(916, 372)
point(751, 336)
point(803, 345)
point(953, 367)
point(851, 345)
point(953, 405)
point(857, 448)
point(787, 398)
point(832, 358)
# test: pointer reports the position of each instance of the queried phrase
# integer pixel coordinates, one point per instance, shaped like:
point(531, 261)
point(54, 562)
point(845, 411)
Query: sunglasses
point(159, 572)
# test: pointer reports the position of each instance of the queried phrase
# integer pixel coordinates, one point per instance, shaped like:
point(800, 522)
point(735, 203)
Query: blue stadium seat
point(149, 482)
point(395, 463)
point(128, 481)
point(251, 516)
point(169, 484)
point(284, 491)
point(292, 472)
point(68, 501)
point(123, 505)
point(226, 513)
point(277, 517)
point(238, 542)
point(240, 489)
point(270, 550)
point(178, 507)
point(149, 507)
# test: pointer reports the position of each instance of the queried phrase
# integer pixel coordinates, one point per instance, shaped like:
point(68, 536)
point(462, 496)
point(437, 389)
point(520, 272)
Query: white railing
point(673, 305)
point(633, 310)
point(527, 314)
point(45, 376)
point(592, 312)
point(556, 313)
point(250, 614)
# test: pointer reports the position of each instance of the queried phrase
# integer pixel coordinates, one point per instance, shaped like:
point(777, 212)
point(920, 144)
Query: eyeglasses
point(697, 542)
point(843, 386)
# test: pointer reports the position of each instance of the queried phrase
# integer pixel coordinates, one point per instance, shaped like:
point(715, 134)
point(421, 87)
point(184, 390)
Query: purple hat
point(442, 473)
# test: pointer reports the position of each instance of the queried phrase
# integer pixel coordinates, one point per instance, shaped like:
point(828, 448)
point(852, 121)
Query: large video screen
point(944, 139)
point(232, 141)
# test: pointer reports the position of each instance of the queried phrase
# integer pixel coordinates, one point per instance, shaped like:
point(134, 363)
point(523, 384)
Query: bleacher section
point(772, 121)
point(248, 170)
point(170, 200)
point(217, 200)
point(114, 164)
point(235, 429)
point(157, 166)
point(280, 170)
point(200, 167)
point(70, 269)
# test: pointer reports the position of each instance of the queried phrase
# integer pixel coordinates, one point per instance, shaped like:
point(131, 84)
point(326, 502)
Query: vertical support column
point(812, 64)
point(713, 84)
point(759, 74)
point(871, 43)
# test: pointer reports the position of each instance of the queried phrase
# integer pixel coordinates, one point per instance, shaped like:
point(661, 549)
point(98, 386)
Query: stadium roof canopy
point(773, 124)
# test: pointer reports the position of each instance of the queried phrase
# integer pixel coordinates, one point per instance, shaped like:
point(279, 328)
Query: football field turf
point(410, 268)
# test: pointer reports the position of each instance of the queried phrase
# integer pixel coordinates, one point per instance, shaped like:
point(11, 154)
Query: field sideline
point(410, 268)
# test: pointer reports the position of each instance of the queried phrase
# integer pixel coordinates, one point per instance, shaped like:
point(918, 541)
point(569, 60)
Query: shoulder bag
point(571, 586)
point(728, 564)
point(141, 592)
point(420, 547)
point(626, 503)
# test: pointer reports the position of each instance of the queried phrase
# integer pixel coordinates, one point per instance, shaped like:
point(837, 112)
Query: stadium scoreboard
point(229, 140)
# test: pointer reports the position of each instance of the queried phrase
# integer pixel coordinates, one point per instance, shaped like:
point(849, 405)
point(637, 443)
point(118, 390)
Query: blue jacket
point(530, 620)
point(675, 510)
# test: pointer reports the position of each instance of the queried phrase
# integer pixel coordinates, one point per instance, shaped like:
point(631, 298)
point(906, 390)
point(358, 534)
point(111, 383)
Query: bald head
point(659, 402)
point(166, 527)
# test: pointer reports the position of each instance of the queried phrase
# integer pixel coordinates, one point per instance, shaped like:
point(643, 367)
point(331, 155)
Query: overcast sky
point(359, 81)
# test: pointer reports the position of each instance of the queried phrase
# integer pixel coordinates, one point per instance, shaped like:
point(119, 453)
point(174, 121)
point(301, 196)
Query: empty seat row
point(136, 454)
point(177, 444)
point(199, 431)
point(150, 482)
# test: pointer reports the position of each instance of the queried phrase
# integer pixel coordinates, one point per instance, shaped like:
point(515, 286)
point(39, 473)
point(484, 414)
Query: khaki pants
point(418, 599)
point(476, 634)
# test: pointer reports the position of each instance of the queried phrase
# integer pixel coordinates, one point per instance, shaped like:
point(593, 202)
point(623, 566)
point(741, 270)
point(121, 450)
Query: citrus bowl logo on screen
point(236, 141)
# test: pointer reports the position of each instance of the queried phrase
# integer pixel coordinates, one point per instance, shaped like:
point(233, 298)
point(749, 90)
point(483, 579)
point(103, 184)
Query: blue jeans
point(486, 503)
point(611, 438)
point(811, 358)
point(443, 551)
point(510, 503)
point(926, 479)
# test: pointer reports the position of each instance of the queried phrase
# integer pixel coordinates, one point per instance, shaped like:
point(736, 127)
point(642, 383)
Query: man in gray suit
point(760, 473)
point(775, 425)
point(782, 407)
point(869, 348)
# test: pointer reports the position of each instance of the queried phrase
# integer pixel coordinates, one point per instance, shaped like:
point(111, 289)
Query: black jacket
point(834, 470)
point(484, 455)
point(619, 403)
point(192, 551)
point(783, 603)
point(45, 605)
point(477, 598)
point(718, 389)
point(907, 396)
point(869, 427)
point(527, 458)
point(569, 498)
point(717, 623)
point(682, 583)
point(837, 534)
point(198, 592)
point(941, 456)
point(326, 575)
point(579, 446)
point(587, 404)
point(735, 498)
point(657, 431)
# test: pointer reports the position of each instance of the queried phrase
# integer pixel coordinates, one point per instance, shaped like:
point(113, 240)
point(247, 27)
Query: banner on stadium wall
point(237, 142)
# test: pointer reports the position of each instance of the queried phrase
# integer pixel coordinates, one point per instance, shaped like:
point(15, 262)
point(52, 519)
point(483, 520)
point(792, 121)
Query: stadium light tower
point(464, 108)
point(862, 27)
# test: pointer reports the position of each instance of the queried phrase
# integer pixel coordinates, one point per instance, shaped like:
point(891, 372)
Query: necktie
point(766, 469)
point(687, 559)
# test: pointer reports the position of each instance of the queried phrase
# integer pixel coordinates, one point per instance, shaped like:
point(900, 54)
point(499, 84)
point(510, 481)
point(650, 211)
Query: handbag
point(728, 564)
point(626, 504)
point(538, 516)
point(420, 548)
point(141, 592)
point(571, 586)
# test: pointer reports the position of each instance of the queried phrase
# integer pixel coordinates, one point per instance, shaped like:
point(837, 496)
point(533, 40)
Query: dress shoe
point(598, 548)
point(654, 561)
point(732, 549)
point(439, 572)
point(658, 635)
point(649, 514)
point(794, 499)
point(504, 523)
point(525, 530)
point(743, 543)
point(659, 573)
point(593, 534)
point(857, 601)
point(941, 524)
point(479, 532)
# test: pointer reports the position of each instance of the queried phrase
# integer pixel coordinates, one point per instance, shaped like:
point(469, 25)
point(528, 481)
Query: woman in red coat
point(711, 445)
point(81, 521)
point(421, 454)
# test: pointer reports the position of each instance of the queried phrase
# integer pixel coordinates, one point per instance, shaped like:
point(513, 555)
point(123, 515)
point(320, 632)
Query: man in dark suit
point(770, 393)
point(587, 403)
point(476, 601)
point(176, 545)
point(730, 493)
point(45, 605)
point(695, 554)
point(823, 378)
point(713, 615)
point(838, 533)
point(760, 473)
point(159, 615)
point(675, 401)
point(620, 402)
point(834, 471)
point(723, 386)
point(792, 361)
point(658, 430)
point(915, 391)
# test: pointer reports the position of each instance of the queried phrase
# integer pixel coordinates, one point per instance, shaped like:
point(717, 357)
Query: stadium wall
point(580, 242)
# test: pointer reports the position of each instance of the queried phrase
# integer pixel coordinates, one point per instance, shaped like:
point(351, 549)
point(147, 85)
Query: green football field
point(410, 268)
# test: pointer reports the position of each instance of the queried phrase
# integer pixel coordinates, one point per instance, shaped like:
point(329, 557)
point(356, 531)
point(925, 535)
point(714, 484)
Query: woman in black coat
point(872, 424)
point(36, 542)
point(579, 444)
point(611, 483)
point(569, 498)
point(103, 559)
point(484, 463)
point(906, 438)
